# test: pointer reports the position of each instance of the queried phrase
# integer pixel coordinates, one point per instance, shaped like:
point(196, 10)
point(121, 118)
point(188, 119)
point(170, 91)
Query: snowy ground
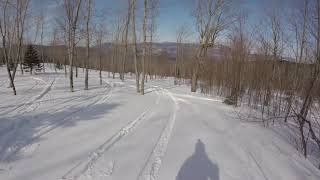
point(111, 132)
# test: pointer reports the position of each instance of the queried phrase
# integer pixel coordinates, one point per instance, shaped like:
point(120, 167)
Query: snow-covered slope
point(111, 132)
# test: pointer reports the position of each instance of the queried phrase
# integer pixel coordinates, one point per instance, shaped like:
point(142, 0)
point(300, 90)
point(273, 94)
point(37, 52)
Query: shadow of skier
point(198, 166)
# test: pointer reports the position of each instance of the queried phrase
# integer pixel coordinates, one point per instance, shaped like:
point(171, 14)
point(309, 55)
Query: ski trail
point(258, 165)
point(49, 128)
point(22, 108)
point(44, 92)
point(153, 164)
point(27, 104)
point(16, 125)
point(16, 107)
point(86, 165)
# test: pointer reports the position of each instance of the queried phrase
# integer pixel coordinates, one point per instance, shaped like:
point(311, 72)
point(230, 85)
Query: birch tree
point(125, 35)
point(21, 13)
point(72, 8)
point(144, 51)
point(40, 20)
point(12, 19)
point(41, 40)
point(153, 26)
point(87, 17)
point(5, 30)
point(134, 42)
point(100, 35)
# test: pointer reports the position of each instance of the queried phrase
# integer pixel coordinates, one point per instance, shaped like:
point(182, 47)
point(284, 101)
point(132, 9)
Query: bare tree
point(153, 26)
point(144, 51)
point(54, 43)
point(116, 48)
point(6, 40)
point(21, 9)
point(41, 39)
point(100, 34)
point(310, 89)
point(12, 29)
point(125, 35)
point(134, 42)
point(240, 50)
point(182, 34)
point(72, 8)
point(87, 17)
point(276, 46)
point(40, 20)
point(211, 18)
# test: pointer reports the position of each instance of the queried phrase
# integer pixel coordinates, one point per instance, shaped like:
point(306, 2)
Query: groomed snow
point(112, 133)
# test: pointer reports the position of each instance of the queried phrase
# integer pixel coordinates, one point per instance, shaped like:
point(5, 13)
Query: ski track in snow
point(13, 129)
point(258, 165)
point(85, 166)
point(247, 161)
point(15, 109)
point(47, 129)
point(2, 83)
point(23, 105)
point(44, 92)
point(26, 107)
point(30, 106)
point(154, 161)
point(97, 100)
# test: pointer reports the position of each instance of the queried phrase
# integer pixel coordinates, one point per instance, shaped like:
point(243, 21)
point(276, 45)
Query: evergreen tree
point(31, 58)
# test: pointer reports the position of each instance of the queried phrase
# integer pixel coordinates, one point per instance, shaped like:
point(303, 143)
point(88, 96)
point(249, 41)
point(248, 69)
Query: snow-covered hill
point(111, 132)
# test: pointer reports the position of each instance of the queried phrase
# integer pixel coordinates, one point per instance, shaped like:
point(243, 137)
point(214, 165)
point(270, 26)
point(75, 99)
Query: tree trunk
point(76, 71)
point(134, 41)
point(126, 32)
point(11, 80)
point(71, 56)
point(144, 47)
point(194, 80)
point(88, 8)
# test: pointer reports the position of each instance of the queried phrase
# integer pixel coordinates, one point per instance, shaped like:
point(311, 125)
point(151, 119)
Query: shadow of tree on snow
point(27, 129)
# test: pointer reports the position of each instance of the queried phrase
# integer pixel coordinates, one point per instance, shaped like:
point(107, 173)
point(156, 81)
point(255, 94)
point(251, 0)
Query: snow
point(111, 132)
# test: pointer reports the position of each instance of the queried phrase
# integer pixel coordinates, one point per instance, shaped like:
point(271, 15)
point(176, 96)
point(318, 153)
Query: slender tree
point(100, 34)
point(144, 51)
point(88, 15)
point(182, 34)
point(125, 35)
point(6, 40)
point(72, 8)
point(134, 42)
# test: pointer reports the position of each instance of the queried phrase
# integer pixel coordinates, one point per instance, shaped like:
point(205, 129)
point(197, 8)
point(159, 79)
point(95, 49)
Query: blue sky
point(174, 13)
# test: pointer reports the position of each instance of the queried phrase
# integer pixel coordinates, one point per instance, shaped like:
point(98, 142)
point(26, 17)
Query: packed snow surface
point(112, 132)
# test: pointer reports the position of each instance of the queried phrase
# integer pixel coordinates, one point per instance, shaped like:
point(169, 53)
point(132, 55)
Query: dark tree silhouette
point(31, 59)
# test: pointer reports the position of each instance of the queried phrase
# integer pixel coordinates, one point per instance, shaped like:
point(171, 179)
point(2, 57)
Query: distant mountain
point(171, 48)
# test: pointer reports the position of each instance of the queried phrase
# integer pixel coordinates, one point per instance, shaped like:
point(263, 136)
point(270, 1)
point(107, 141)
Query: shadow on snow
point(198, 166)
point(26, 129)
